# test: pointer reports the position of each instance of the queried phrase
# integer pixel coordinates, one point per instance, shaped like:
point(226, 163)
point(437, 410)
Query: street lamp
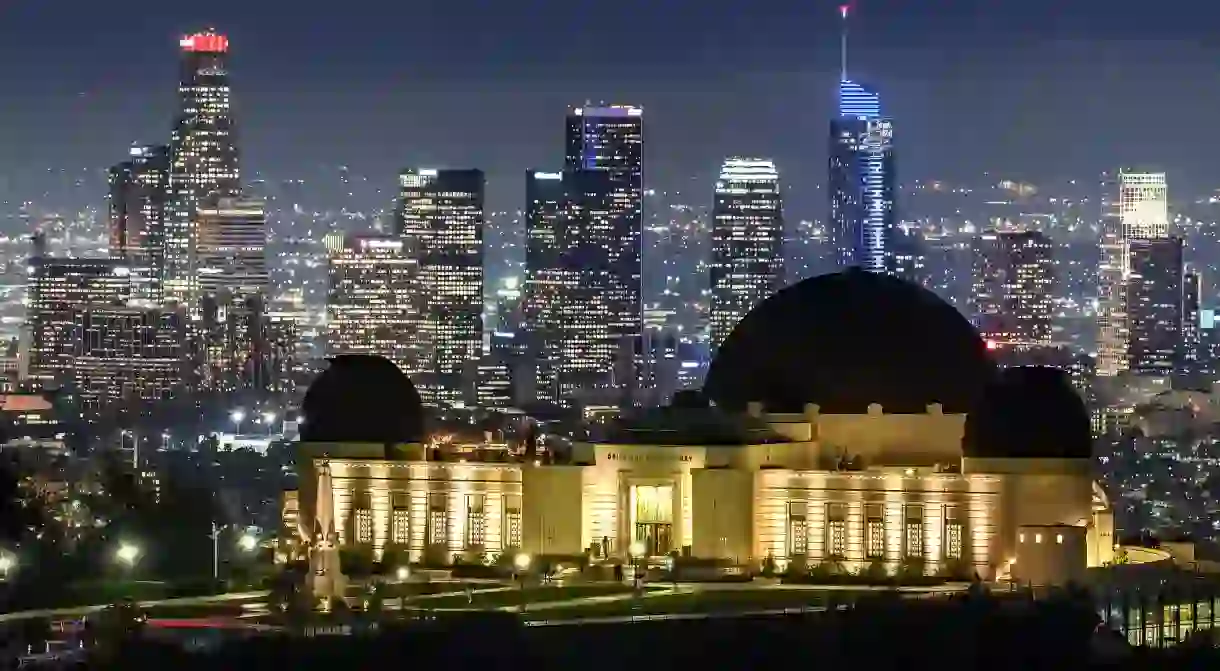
point(403, 573)
point(521, 564)
point(238, 416)
point(6, 564)
point(247, 542)
point(269, 420)
point(127, 554)
point(636, 550)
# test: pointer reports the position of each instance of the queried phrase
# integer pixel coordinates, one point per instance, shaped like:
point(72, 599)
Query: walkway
point(77, 611)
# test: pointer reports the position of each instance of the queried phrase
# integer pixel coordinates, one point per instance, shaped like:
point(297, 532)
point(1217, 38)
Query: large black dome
point(362, 399)
point(1030, 412)
point(847, 340)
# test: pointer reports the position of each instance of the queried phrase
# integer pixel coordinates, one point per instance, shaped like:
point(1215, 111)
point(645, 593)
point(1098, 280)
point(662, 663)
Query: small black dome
point(847, 340)
point(362, 399)
point(1030, 412)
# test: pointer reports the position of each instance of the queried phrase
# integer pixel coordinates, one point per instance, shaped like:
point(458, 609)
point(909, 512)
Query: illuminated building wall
point(57, 288)
point(126, 355)
point(231, 247)
point(1134, 205)
point(440, 219)
point(232, 340)
point(1013, 279)
point(742, 503)
point(747, 241)
point(374, 306)
point(862, 181)
point(139, 188)
point(1190, 357)
point(1154, 305)
point(203, 154)
point(569, 284)
point(609, 139)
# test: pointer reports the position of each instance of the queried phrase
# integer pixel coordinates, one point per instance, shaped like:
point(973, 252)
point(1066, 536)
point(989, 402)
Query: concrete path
point(76, 611)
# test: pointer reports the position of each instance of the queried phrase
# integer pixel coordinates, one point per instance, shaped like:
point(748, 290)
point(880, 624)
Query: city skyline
point(718, 109)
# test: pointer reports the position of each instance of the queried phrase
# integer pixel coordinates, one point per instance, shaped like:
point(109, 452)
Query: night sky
point(1035, 89)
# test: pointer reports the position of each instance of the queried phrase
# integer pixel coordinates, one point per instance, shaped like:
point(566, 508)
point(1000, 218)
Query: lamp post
point(6, 564)
point(215, 552)
point(127, 554)
point(238, 416)
point(521, 564)
point(636, 550)
point(269, 420)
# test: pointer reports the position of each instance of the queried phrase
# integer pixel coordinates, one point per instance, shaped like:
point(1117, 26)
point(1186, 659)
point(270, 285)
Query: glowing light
point(992, 345)
point(844, 9)
point(209, 43)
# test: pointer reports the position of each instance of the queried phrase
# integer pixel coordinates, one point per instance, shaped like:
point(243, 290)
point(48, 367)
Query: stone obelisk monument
point(326, 579)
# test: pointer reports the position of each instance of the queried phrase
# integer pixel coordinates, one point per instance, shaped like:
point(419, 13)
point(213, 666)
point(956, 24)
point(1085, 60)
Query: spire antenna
point(844, 10)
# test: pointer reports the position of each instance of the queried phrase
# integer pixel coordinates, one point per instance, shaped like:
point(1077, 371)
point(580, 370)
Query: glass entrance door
point(652, 518)
point(657, 537)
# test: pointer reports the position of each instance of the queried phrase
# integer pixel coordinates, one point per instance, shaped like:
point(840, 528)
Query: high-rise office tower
point(373, 305)
point(139, 188)
point(1134, 205)
point(1154, 305)
point(440, 219)
point(747, 241)
point(126, 355)
point(203, 154)
point(1190, 353)
point(58, 287)
point(566, 302)
point(231, 247)
point(861, 181)
point(1013, 278)
point(610, 139)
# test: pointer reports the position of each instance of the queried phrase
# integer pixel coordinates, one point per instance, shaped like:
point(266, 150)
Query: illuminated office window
point(512, 523)
point(836, 530)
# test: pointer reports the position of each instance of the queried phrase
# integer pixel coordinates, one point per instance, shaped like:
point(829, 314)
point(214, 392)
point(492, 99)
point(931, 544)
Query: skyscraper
point(565, 299)
point(373, 306)
point(747, 241)
point(861, 181)
point(58, 287)
point(203, 154)
point(231, 247)
point(139, 187)
point(610, 139)
point(1013, 277)
point(1134, 205)
point(440, 219)
point(1190, 354)
point(1154, 305)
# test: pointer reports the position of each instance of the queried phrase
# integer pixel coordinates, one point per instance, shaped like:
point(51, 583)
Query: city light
point(247, 542)
point(127, 554)
point(238, 416)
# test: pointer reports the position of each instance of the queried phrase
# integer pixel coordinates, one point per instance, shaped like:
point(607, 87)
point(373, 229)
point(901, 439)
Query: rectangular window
point(953, 534)
point(512, 522)
point(914, 532)
point(874, 531)
point(836, 530)
point(438, 519)
point(401, 533)
point(798, 532)
point(476, 521)
point(364, 525)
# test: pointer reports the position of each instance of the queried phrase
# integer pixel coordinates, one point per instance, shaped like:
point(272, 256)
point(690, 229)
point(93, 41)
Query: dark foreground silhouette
point(976, 633)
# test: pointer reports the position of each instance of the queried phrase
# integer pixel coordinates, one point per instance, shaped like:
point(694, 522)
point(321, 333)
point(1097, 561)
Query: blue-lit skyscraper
point(861, 181)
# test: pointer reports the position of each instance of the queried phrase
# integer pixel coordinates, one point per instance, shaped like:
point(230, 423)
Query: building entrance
point(657, 538)
point(652, 518)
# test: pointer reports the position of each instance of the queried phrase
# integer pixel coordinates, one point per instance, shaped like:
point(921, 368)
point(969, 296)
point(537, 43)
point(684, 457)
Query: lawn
point(706, 601)
point(514, 597)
